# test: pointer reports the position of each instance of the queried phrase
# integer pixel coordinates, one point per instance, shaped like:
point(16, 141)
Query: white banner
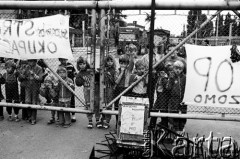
point(38, 38)
point(212, 78)
point(132, 119)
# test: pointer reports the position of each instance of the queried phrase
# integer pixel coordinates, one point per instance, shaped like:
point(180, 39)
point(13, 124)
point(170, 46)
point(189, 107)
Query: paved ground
point(41, 141)
point(20, 140)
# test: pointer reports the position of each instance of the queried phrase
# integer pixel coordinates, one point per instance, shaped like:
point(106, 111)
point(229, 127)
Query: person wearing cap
point(47, 91)
point(33, 74)
point(176, 87)
point(10, 79)
point(71, 71)
point(64, 97)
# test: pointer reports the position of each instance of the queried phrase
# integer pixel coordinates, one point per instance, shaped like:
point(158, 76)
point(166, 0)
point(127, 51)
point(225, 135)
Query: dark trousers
point(9, 109)
point(22, 100)
point(72, 103)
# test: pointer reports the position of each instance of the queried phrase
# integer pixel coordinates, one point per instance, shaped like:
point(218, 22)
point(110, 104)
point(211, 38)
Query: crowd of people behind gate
point(169, 84)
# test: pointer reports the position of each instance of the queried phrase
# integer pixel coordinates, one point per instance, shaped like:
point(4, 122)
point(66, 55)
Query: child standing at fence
point(1, 98)
point(33, 74)
point(10, 78)
point(140, 89)
point(70, 74)
point(110, 73)
point(83, 78)
point(47, 91)
point(64, 97)
point(176, 86)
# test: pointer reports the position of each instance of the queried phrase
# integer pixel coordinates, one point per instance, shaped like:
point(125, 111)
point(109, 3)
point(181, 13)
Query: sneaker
point(90, 125)
point(105, 125)
point(1, 118)
point(73, 119)
point(17, 119)
point(67, 125)
point(10, 118)
point(33, 122)
point(99, 124)
point(51, 121)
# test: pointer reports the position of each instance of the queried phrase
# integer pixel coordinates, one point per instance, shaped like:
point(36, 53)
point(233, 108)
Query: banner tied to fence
point(212, 78)
point(37, 38)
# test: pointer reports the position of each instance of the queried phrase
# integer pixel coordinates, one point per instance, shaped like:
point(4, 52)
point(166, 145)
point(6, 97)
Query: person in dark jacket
point(70, 74)
point(176, 87)
point(10, 79)
point(84, 78)
point(110, 75)
point(47, 91)
point(32, 73)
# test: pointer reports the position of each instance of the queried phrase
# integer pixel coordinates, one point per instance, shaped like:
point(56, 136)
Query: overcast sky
point(165, 19)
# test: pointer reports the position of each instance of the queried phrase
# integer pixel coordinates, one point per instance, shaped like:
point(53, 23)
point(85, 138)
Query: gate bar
point(152, 114)
point(133, 5)
point(48, 108)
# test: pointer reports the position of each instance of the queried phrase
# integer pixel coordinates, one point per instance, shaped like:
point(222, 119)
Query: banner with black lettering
point(37, 38)
point(213, 76)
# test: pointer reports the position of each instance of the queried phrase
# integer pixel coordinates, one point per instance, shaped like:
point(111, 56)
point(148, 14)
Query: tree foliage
point(195, 19)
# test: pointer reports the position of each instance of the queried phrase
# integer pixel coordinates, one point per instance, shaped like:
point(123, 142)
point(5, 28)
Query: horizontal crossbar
point(133, 4)
point(219, 117)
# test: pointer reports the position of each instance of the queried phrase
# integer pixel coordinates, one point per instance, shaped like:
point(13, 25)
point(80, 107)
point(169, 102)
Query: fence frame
point(133, 5)
point(144, 5)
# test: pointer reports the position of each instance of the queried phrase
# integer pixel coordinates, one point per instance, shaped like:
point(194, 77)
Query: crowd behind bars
point(34, 80)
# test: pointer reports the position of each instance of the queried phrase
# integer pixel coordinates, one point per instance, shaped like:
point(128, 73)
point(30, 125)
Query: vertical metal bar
point(102, 56)
point(216, 42)
point(196, 28)
point(151, 42)
point(92, 58)
point(83, 33)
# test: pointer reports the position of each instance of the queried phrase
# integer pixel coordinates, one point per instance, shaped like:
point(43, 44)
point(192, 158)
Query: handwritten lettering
point(213, 99)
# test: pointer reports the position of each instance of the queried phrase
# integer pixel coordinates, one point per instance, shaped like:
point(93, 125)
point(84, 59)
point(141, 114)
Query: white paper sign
point(212, 78)
point(38, 38)
point(132, 119)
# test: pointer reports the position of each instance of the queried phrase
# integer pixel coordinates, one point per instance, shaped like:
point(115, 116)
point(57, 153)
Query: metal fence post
point(102, 55)
point(92, 59)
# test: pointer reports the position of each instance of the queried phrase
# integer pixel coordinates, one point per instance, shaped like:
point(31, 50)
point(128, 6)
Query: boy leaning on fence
point(64, 97)
point(47, 91)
